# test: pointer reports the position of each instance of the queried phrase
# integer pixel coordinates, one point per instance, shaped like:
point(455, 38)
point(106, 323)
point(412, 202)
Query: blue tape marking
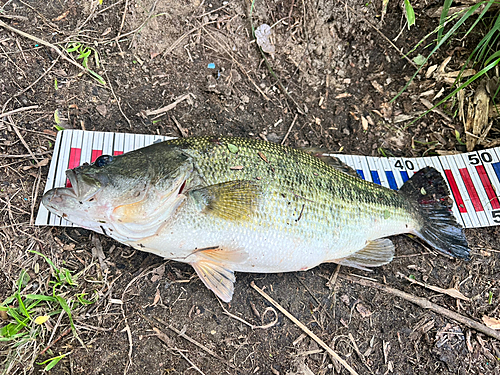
point(392, 180)
point(404, 176)
point(360, 172)
point(375, 177)
point(496, 167)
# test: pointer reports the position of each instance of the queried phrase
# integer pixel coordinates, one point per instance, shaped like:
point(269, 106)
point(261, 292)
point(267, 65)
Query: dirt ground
point(340, 63)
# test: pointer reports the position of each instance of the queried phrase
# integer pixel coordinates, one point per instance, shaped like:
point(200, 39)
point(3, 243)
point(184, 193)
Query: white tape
point(473, 178)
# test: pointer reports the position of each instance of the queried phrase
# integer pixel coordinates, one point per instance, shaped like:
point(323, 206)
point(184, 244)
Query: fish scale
point(226, 204)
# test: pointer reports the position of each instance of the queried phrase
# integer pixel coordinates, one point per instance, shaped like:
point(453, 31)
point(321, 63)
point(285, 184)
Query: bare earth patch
point(340, 66)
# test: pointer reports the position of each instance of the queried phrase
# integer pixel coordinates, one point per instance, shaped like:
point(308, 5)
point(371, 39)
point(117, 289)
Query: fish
point(229, 204)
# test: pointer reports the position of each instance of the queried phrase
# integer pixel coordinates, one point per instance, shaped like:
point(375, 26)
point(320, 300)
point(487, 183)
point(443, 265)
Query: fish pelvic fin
point(232, 200)
point(438, 227)
point(376, 253)
point(212, 266)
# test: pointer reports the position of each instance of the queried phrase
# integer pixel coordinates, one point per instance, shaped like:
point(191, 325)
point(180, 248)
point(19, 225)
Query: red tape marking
point(490, 191)
point(74, 161)
point(95, 155)
point(115, 153)
point(469, 185)
point(455, 191)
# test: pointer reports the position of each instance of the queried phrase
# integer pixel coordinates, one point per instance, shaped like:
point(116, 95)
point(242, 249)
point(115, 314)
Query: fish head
point(126, 197)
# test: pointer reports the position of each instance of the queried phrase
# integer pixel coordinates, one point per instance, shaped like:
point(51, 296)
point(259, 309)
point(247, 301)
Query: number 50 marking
point(485, 156)
point(496, 216)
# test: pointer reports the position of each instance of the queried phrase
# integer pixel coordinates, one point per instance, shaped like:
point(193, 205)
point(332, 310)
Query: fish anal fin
point(232, 200)
point(376, 253)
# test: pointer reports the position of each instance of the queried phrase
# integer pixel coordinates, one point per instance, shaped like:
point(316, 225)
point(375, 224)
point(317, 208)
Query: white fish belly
point(269, 248)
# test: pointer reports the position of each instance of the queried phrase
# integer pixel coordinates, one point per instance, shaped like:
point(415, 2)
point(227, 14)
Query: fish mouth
point(83, 187)
point(74, 189)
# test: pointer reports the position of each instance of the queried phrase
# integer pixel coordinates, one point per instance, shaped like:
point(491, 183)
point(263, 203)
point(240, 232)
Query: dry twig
point(23, 141)
point(191, 340)
point(45, 43)
point(305, 329)
point(168, 107)
point(266, 326)
point(426, 304)
point(290, 128)
point(17, 110)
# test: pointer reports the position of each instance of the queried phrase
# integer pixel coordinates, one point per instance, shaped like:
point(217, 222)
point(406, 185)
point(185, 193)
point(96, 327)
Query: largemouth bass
point(224, 204)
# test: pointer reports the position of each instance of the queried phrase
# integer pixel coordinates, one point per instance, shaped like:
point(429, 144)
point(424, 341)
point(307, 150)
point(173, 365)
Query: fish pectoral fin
point(232, 200)
point(216, 277)
point(376, 253)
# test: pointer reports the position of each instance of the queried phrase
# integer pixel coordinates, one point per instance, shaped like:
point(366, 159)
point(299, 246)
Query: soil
point(337, 64)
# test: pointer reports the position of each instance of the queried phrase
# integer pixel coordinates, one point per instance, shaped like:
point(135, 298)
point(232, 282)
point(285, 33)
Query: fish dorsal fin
point(213, 267)
point(332, 161)
point(376, 253)
point(338, 164)
point(232, 200)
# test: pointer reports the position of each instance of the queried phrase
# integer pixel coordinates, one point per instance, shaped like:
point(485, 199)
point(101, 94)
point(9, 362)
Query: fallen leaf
point(41, 319)
point(491, 322)
point(343, 95)
point(363, 311)
point(452, 292)
point(41, 163)
point(377, 87)
point(484, 253)
point(263, 157)
point(50, 132)
point(364, 123)
point(69, 247)
point(157, 297)
point(62, 16)
point(101, 108)
point(106, 32)
point(262, 35)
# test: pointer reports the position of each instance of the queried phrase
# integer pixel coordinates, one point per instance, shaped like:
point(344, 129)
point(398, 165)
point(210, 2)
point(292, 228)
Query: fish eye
point(102, 160)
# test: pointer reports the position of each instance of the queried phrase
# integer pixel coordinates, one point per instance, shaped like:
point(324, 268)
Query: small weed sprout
point(23, 333)
point(85, 53)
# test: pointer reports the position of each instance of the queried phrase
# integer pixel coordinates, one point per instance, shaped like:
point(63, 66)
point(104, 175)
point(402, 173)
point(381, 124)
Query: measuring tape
point(473, 177)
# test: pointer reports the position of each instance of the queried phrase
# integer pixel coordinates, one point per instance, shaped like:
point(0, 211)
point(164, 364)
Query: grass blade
point(444, 15)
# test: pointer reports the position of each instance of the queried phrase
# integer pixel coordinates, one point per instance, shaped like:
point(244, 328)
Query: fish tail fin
point(438, 227)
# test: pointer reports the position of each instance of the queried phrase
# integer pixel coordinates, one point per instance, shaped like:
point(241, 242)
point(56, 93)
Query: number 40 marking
point(408, 163)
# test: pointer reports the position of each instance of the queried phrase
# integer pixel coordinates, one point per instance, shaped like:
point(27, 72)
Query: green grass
point(484, 57)
point(86, 54)
point(24, 334)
